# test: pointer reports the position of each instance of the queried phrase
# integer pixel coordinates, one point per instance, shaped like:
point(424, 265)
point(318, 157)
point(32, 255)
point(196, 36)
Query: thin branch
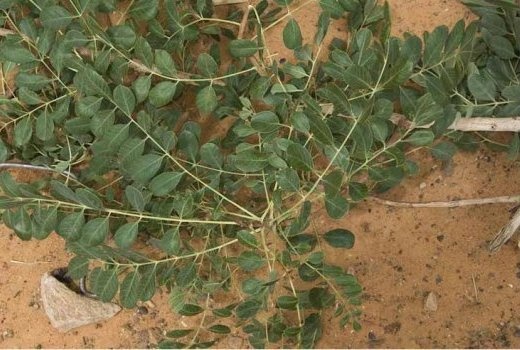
point(115, 212)
point(448, 204)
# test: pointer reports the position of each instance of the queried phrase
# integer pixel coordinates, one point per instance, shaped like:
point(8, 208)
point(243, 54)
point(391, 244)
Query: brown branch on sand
point(467, 124)
point(448, 204)
point(487, 124)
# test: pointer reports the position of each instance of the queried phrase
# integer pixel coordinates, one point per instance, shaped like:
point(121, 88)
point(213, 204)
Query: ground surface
point(401, 255)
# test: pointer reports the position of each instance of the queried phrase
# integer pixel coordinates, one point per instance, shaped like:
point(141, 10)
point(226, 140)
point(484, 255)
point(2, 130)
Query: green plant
point(119, 112)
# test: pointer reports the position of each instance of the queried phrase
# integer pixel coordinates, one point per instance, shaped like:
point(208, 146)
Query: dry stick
point(505, 233)
point(502, 236)
point(449, 204)
point(486, 124)
point(467, 124)
point(474, 287)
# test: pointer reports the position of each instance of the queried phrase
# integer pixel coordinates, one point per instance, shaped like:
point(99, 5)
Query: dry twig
point(467, 124)
point(505, 233)
point(449, 204)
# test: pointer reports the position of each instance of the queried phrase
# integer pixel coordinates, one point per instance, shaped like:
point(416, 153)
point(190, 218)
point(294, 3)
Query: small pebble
point(422, 186)
point(431, 302)
point(8, 333)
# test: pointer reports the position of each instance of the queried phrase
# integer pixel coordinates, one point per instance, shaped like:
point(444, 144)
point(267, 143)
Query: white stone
point(431, 302)
point(67, 309)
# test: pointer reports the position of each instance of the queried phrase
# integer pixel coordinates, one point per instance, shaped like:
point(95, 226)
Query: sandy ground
point(401, 255)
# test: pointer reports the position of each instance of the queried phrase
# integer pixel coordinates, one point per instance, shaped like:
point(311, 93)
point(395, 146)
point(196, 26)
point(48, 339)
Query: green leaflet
point(78, 267)
point(162, 93)
point(94, 232)
point(70, 226)
point(164, 183)
point(143, 52)
point(247, 239)
point(4, 151)
point(143, 168)
point(89, 82)
point(299, 158)
point(16, 54)
point(104, 283)
point(265, 121)
point(210, 155)
point(144, 10)
point(165, 63)
point(33, 82)
point(126, 234)
point(89, 198)
point(250, 261)
point(23, 132)
point(135, 197)
point(44, 222)
point(206, 65)
point(207, 100)
point(122, 35)
point(292, 35)
point(55, 17)
point(340, 238)
point(124, 99)
point(128, 291)
point(242, 48)
point(141, 87)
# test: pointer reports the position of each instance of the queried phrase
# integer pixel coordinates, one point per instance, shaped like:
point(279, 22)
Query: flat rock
point(67, 309)
point(431, 302)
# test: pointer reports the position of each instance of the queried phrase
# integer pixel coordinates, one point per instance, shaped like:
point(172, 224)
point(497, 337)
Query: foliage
point(124, 104)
